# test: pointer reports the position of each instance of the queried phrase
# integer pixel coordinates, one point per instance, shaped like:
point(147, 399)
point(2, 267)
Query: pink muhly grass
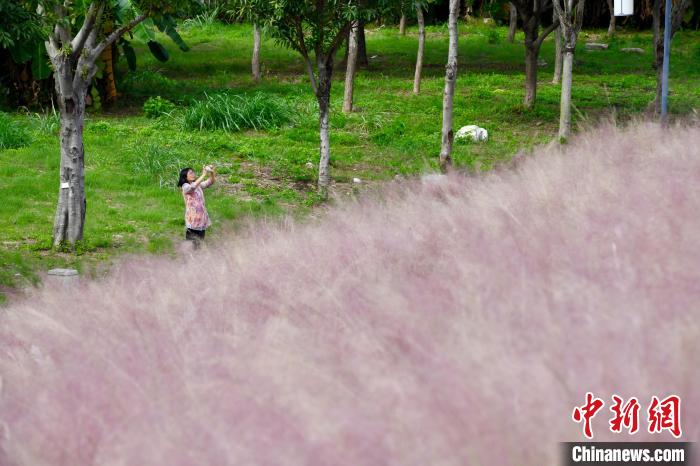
point(450, 322)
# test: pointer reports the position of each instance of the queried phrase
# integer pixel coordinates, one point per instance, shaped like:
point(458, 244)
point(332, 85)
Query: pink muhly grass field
point(446, 322)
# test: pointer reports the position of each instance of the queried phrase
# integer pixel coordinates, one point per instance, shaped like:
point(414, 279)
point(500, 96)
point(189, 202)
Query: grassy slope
point(132, 161)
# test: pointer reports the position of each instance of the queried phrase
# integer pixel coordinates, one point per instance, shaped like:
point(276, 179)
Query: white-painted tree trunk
point(565, 108)
point(256, 53)
point(69, 220)
point(558, 56)
point(421, 49)
point(450, 80)
point(570, 17)
point(350, 70)
point(73, 59)
point(323, 95)
point(402, 25)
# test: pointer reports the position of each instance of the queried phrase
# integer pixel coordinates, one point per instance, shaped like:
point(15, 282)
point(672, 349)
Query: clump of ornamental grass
point(454, 320)
point(233, 113)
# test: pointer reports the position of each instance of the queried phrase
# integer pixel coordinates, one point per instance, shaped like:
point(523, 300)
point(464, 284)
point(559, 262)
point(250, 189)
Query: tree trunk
point(565, 111)
point(448, 98)
point(70, 212)
point(678, 11)
point(323, 95)
point(402, 24)
point(611, 27)
point(558, 56)
point(256, 53)
point(656, 104)
point(362, 59)
point(695, 20)
point(531, 55)
point(656, 28)
point(350, 70)
point(108, 76)
point(513, 23)
point(421, 49)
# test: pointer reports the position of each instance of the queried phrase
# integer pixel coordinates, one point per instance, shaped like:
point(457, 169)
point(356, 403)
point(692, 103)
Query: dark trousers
point(196, 236)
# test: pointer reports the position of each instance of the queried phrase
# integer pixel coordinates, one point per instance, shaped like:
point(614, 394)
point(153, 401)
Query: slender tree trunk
point(695, 20)
point(656, 28)
point(450, 80)
point(350, 70)
point(558, 56)
point(362, 59)
point(513, 26)
point(565, 110)
point(256, 53)
point(531, 55)
point(678, 12)
point(323, 95)
point(402, 24)
point(421, 49)
point(611, 27)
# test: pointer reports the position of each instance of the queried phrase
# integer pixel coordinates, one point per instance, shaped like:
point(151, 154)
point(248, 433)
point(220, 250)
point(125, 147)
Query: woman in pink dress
point(196, 216)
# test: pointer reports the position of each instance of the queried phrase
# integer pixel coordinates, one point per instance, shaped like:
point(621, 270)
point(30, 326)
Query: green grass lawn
point(132, 161)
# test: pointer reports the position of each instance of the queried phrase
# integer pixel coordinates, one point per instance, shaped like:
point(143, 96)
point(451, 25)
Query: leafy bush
point(238, 112)
point(12, 135)
point(157, 106)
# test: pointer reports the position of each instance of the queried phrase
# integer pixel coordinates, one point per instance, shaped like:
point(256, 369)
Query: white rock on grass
point(472, 132)
point(356, 180)
point(632, 50)
point(596, 46)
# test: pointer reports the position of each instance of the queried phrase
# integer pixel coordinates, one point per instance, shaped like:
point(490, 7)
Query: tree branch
point(81, 37)
point(59, 31)
point(305, 53)
point(116, 34)
point(337, 41)
point(547, 31)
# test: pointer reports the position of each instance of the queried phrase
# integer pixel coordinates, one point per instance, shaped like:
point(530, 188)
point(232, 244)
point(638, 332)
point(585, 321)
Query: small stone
point(632, 50)
point(356, 180)
point(596, 46)
point(63, 272)
point(309, 165)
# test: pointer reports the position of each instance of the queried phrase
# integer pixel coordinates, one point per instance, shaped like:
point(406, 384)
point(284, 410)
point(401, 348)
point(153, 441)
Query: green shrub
point(12, 135)
point(493, 36)
point(238, 112)
point(157, 106)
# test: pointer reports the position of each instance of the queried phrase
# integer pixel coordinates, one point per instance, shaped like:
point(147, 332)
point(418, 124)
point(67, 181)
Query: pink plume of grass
point(457, 321)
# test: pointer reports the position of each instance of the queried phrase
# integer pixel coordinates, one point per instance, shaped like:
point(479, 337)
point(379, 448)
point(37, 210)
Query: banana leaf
point(158, 50)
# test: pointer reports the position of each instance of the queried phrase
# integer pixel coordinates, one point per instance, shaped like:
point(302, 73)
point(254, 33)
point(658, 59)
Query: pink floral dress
point(196, 216)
